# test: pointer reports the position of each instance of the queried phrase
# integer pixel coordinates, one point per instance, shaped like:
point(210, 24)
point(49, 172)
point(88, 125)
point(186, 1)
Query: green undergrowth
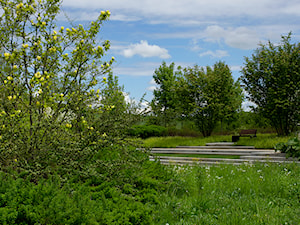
point(263, 141)
point(156, 194)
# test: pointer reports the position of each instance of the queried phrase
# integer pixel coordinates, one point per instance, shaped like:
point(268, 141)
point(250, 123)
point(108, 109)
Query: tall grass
point(266, 141)
point(228, 194)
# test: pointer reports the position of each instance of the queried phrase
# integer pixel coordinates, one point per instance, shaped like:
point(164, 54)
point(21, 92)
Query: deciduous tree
point(272, 79)
point(213, 94)
point(48, 81)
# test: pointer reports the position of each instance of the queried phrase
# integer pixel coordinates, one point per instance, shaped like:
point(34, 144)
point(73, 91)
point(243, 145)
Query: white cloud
point(126, 18)
point(240, 37)
point(138, 69)
point(152, 82)
point(191, 10)
point(247, 106)
point(236, 68)
point(215, 54)
point(145, 50)
point(151, 88)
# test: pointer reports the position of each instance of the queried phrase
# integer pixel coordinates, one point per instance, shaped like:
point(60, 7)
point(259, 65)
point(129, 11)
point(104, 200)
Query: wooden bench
point(245, 133)
point(248, 133)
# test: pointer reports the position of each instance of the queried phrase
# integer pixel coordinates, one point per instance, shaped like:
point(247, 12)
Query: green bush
point(291, 147)
point(145, 131)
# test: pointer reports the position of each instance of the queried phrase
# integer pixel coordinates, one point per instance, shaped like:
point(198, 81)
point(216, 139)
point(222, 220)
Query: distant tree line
point(210, 96)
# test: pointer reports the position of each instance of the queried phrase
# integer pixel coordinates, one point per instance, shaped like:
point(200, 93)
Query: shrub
point(291, 147)
point(145, 131)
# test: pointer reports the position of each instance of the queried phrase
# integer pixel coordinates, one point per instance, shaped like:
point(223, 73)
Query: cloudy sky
point(143, 33)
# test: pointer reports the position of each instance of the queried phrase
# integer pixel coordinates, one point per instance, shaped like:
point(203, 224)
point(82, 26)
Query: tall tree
point(164, 102)
point(272, 79)
point(214, 95)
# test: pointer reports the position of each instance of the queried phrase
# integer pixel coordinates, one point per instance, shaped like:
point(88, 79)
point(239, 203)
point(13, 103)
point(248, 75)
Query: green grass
point(171, 142)
point(264, 141)
point(199, 155)
point(227, 194)
point(253, 194)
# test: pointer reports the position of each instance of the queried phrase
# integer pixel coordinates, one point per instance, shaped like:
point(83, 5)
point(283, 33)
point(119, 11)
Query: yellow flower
point(15, 160)
point(42, 79)
point(102, 12)
point(19, 5)
point(107, 12)
point(104, 78)
point(62, 28)
point(68, 125)
point(38, 57)
point(25, 45)
point(9, 78)
point(14, 97)
point(40, 91)
point(73, 29)
point(15, 67)
point(6, 54)
point(61, 95)
point(5, 81)
point(54, 37)
point(54, 32)
point(9, 98)
point(112, 58)
point(38, 103)
point(37, 75)
point(44, 23)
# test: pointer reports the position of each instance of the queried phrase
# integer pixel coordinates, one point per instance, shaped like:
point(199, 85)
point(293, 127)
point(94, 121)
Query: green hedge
point(146, 131)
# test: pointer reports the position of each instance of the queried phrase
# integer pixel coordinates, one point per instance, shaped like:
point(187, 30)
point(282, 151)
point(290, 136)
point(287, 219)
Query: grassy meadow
point(263, 141)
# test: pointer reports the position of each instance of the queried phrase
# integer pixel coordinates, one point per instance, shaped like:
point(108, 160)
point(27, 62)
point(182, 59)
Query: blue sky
point(143, 33)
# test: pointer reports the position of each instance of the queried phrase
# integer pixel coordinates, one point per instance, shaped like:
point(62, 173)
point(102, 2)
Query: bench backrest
point(250, 131)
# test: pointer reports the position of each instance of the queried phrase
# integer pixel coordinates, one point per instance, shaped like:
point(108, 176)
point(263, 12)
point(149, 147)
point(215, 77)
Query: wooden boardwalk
point(247, 154)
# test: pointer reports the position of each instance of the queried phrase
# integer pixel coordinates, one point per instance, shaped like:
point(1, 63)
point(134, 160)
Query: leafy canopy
point(271, 77)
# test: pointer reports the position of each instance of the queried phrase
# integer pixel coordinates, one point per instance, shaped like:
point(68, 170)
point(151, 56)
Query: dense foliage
point(213, 94)
point(205, 95)
point(164, 104)
point(146, 131)
point(291, 147)
point(271, 77)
